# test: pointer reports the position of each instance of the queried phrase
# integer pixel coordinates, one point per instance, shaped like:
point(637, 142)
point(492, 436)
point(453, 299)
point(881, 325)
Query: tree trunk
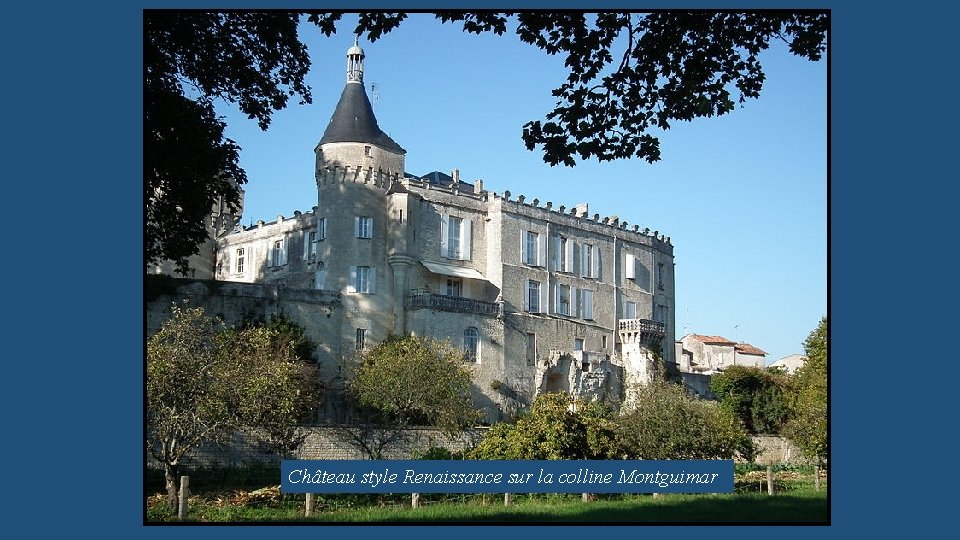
point(506, 499)
point(816, 476)
point(415, 500)
point(585, 497)
point(769, 479)
point(170, 474)
point(310, 503)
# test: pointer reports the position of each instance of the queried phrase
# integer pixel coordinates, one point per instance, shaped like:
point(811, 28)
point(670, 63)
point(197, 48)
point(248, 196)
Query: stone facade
point(539, 296)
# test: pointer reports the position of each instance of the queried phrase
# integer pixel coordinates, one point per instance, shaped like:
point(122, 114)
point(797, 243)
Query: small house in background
point(701, 356)
point(790, 364)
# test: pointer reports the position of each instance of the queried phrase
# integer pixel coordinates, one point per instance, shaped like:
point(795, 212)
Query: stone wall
point(326, 443)
point(321, 443)
point(772, 449)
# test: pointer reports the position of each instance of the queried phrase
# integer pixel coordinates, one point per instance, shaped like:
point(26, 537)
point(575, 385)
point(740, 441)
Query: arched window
point(471, 345)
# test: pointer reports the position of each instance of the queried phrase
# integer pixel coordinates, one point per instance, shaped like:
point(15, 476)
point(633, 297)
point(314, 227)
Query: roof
point(438, 178)
point(712, 340)
point(354, 121)
point(746, 348)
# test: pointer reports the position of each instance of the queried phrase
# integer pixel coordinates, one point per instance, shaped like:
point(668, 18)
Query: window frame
point(363, 227)
point(471, 336)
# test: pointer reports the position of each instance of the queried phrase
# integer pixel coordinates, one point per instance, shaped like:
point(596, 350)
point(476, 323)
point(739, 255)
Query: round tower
point(356, 164)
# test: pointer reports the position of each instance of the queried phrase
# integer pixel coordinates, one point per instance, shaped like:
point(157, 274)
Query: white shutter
point(569, 255)
point(466, 240)
point(541, 290)
point(372, 285)
point(523, 247)
point(596, 262)
point(584, 270)
point(556, 297)
point(283, 251)
point(630, 266)
point(356, 226)
point(526, 295)
point(318, 279)
point(370, 227)
point(352, 285)
point(555, 252)
point(587, 304)
point(444, 233)
point(322, 229)
point(541, 250)
point(576, 303)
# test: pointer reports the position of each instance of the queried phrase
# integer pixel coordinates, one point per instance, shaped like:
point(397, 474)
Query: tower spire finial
point(355, 62)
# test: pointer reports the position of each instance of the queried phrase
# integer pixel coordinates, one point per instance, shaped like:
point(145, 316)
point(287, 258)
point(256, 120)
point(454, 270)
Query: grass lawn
point(800, 505)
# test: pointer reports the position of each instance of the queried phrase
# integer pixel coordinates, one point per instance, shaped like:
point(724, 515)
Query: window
point(578, 344)
point(660, 276)
point(310, 245)
point(531, 348)
point(586, 304)
point(563, 299)
point(630, 310)
point(603, 342)
point(562, 255)
point(533, 248)
point(661, 313)
point(565, 255)
point(363, 227)
point(366, 151)
point(533, 296)
point(589, 261)
point(361, 338)
point(240, 259)
point(530, 249)
point(319, 277)
point(455, 237)
point(322, 229)
point(453, 287)
point(278, 252)
point(636, 271)
point(471, 345)
point(363, 279)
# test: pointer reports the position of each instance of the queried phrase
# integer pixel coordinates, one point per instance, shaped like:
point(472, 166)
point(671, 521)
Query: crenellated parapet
point(357, 174)
point(579, 216)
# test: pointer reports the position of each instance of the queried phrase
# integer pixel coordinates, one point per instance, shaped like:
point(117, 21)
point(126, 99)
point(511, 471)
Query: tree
point(205, 382)
point(275, 388)
point(634, 73)
point(253, 59)
point(808, 425)
point(416, 380)
point(558, 426)
point(663, 422)
point(755, 395)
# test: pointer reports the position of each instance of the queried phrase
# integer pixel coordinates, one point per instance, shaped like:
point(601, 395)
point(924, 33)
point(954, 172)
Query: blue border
point(74, 185)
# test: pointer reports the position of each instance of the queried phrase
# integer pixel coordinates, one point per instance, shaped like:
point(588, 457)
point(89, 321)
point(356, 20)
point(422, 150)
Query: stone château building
point(539, 296)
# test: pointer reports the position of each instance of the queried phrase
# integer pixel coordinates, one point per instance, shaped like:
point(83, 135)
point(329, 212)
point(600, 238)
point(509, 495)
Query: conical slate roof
point(353, 121)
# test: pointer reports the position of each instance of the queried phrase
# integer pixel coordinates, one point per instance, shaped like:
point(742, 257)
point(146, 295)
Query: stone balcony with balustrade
point(643, 331)
point(420, 299)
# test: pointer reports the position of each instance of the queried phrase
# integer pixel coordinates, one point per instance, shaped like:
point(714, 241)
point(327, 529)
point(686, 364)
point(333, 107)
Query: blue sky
point(743, 197)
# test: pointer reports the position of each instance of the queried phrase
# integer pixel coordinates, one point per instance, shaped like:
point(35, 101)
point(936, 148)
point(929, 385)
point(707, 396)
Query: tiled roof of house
point(746, 348)
point(712, 340)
